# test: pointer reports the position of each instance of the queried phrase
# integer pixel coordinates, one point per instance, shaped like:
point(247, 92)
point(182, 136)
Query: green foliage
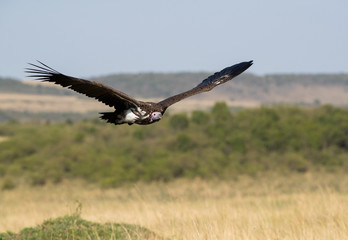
point(296, 162)
point(200, 117)
point(184, 143)
point(73, 227)
point(8, 183)
point(216, 144)
point(220, 112)
point(179, 121)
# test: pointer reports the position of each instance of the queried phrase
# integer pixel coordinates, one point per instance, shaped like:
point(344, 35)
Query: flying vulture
point(127, 109)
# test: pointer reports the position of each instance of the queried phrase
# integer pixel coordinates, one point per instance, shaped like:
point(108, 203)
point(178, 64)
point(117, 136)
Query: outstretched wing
point(209, 83)
point(101, 92)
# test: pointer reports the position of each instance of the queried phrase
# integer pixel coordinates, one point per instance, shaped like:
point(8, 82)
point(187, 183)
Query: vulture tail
point(110, 117)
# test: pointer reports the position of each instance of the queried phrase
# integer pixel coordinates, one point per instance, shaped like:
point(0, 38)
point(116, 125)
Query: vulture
point(127, 109)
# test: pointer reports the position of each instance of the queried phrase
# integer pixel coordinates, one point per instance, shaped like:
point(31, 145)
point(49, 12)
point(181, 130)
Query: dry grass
point(48, 103)
point(289, 207)
point(51, 103)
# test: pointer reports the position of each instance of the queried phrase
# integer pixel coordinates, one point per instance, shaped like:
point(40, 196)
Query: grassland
point(48, 103)
point(268, 173)
point(76, 228)
point(31, 103)
point(296, 206)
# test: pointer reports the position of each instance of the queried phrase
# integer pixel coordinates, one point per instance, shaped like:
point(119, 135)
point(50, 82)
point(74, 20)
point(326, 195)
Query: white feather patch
point(130, 117)
point(221, 79)
point(141, 111)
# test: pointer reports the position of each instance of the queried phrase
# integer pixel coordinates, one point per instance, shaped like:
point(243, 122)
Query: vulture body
point(127, 109)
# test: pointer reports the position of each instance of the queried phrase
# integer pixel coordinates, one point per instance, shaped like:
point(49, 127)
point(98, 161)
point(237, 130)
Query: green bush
point(200, 117)
point(215, 144)
point(179, 121)
point(74, 227)
point(220, 112)
point(8, 183)
point(296, 162)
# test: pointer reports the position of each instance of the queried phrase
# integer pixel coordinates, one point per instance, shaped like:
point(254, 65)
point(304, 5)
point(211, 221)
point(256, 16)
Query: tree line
point(206, 144)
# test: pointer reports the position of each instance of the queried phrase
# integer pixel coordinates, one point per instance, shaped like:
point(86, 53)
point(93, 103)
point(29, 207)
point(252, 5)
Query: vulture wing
point(209, 83)
point(101, 92)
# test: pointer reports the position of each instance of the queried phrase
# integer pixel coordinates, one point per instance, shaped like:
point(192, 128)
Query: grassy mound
point(73, 227)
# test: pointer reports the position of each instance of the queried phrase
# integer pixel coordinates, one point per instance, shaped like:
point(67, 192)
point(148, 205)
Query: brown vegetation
point(60, 104)
point(274, 207)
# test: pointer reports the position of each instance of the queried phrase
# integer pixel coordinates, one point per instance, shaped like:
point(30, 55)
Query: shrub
point(200, 117)
point(8, 184)
point(179, 121)
point(74, 227)
point(296, 162)
point(220, 112)
point(249, 141)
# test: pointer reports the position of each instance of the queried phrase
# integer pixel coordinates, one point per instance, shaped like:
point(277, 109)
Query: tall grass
point(273, 207)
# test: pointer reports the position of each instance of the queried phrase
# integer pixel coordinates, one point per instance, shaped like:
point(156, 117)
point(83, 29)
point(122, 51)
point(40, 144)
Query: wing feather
point(209, 83)
point(99, 91)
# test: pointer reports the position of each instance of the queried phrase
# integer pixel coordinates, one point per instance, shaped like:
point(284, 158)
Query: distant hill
point(8, 85)
point(268, 89)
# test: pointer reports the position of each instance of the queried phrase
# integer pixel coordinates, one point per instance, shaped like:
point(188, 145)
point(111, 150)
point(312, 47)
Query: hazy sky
point(88, 38)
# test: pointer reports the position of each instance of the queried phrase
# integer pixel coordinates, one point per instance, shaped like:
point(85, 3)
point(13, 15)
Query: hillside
point(268, 89)
point(35, 100)
point(8, 85)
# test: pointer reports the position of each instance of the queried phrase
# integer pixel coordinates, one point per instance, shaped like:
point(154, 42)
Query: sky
point(89, 38)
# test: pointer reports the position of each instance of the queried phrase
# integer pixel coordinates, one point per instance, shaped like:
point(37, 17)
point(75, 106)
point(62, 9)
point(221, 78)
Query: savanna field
point(266, 173)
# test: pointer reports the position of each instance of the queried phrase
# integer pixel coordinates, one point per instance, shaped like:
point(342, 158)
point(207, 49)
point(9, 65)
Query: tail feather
point(110, 117)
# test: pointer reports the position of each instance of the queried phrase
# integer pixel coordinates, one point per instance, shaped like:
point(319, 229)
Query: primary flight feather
point(127, 109)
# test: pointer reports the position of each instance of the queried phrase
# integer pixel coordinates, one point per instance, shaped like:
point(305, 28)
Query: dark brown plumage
point(127, 109)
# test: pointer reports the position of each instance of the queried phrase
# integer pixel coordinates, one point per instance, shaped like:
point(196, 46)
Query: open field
point(308, 89)
point(48, 103)
point(51, 103)
point(309, 206)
